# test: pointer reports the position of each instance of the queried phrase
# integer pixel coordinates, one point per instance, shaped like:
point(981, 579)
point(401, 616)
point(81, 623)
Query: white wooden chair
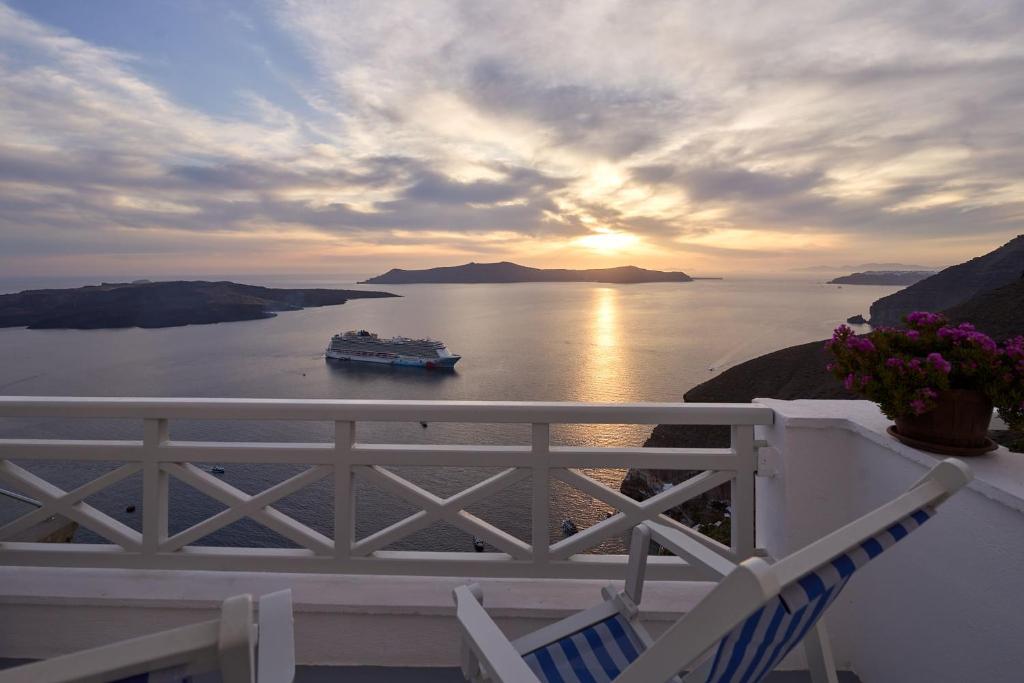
point(739, 632)
point(241, 651)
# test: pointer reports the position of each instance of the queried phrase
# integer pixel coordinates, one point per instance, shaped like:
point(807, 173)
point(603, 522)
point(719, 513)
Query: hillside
point(794, 373)
point(506, 272)
point(999, 312)
point(160, 304)
point(954, 285)
point(790, 373)
point(799, 371)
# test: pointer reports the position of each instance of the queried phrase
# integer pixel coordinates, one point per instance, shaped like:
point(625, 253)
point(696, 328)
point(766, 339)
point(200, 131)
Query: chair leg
point(818, 649)
point(470, 664)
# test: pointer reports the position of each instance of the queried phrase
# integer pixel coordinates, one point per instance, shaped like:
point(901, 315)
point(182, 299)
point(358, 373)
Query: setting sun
point(607, 241)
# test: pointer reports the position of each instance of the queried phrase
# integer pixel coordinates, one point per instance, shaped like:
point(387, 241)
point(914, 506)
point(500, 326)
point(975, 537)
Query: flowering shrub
point(904, 370)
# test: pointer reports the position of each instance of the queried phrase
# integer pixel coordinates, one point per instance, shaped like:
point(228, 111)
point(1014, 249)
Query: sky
point(175, 138)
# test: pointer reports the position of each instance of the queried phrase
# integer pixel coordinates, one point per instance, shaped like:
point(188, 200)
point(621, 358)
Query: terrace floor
point(374, 674)
point(379, 674)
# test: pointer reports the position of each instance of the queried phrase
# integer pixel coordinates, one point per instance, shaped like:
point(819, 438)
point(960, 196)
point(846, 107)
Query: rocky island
point(883, 277)
point(506, 272)
point(160, 304)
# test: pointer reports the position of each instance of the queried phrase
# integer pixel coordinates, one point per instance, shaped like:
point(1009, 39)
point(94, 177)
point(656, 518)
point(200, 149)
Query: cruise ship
point(367, 347)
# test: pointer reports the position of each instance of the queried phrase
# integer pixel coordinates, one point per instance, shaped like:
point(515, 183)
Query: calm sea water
point(559, 342)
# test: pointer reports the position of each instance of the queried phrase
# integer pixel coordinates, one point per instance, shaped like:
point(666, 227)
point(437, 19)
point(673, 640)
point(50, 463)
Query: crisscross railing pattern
point(160, 459)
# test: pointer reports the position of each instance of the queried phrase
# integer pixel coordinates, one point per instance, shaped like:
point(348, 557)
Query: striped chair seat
point(756, 646)
point(749, 652)
point(597, 654)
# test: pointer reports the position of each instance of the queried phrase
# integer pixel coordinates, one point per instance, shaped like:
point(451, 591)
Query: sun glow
point(607, 241)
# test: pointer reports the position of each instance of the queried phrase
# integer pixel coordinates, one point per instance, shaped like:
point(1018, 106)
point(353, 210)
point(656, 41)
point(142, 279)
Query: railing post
point(344, 491)
point(154, 486)
point(541, 531)
point(742, 491)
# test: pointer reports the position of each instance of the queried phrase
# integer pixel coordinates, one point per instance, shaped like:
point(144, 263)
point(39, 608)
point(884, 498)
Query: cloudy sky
point(188, 137)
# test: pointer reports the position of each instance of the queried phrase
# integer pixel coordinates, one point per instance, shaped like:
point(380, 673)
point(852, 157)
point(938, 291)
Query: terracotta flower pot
point(957, 425)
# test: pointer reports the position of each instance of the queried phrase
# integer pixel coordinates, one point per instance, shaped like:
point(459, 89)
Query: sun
point(606, 241)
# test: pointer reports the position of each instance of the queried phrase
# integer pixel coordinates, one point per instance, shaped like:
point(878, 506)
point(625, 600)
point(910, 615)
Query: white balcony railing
point(160, 458)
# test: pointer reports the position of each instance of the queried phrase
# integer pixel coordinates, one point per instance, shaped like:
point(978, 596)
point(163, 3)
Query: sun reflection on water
point(605, 371)
point(601, 372)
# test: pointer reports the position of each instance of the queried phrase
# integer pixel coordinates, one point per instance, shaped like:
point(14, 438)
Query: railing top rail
point(553, 412)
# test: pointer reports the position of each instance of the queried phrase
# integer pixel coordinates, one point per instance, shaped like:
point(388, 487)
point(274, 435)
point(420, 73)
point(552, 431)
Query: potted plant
point(938, 382)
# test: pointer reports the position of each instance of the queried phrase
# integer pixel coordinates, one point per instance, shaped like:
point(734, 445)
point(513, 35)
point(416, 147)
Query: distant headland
point(506, 272)
point(883, 277)
point(160, 304)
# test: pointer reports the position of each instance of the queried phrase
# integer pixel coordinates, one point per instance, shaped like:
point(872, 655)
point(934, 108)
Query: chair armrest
point(689, 549)
point(639, 547)
point(275, 654)
point(235, 640)
point(487, 641)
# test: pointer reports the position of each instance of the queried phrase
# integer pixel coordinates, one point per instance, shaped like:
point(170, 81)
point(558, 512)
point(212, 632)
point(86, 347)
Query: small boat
point(217, 469)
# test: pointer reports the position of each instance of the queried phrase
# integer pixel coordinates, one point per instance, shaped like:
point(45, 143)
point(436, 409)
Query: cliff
point(954, 285)
point(999, 312)
point(160, 304)
point(505, 272)
point(794, 373)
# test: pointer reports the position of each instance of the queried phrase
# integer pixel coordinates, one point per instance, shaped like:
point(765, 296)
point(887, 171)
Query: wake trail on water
point(23, 379)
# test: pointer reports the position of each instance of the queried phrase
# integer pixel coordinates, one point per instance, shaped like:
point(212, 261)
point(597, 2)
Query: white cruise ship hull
point(413, 361)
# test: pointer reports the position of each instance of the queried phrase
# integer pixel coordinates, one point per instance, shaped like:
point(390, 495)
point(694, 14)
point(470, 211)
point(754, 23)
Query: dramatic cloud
point(355, 136)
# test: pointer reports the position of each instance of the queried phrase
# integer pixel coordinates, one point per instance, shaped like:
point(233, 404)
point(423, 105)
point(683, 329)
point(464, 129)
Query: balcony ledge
point(340, 619)
point(998, 476)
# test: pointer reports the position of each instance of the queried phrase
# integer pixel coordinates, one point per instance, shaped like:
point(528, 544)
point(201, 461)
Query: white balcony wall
point(945, 604)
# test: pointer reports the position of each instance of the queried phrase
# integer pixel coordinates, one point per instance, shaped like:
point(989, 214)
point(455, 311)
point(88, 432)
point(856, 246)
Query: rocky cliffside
point(954, 285)
point(794, 372)
point(999, 312)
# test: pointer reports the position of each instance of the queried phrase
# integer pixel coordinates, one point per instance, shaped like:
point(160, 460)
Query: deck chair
point(756, 614)
point(228, 645)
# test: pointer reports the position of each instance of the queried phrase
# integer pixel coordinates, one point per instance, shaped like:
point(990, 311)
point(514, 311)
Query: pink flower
point(860, 344)
point(894, 362)
point(848, 382)
point(913, 335)
point(940, 363)
point(924, 319)
point(918, 406)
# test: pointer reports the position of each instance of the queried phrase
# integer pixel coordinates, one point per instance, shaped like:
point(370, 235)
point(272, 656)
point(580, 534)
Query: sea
point(519, 342)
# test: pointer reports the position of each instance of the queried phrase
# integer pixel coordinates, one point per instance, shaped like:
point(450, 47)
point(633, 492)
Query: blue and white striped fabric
point(597, 654)
point(757, 645)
